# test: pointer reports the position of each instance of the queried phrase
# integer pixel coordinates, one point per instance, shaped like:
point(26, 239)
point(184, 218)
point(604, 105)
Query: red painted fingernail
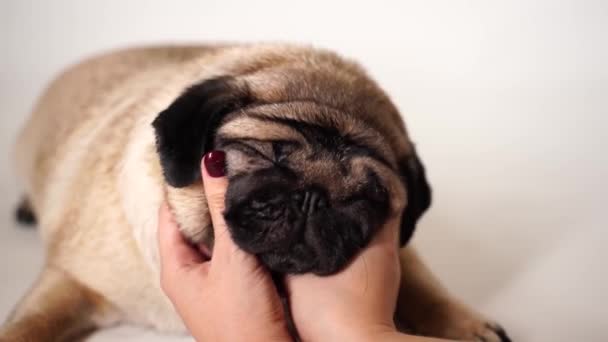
point(215, 163)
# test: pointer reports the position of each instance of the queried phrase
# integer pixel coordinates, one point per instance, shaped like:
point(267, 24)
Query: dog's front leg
point(426, 308)
point(57, 308)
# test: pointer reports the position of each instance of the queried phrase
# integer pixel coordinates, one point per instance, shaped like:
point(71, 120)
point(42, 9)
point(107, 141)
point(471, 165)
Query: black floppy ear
point(185, 130)
point(418, 194)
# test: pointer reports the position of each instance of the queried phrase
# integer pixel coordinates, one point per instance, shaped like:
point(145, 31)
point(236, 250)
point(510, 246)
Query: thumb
point(215, 184)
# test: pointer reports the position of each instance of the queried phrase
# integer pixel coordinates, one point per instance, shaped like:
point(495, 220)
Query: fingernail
point(215, 163)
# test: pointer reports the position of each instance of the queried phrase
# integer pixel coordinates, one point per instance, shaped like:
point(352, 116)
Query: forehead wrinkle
point(296, 120)
point(249, 127)
point(312, 113)
point(305, 111)
point(331, 139)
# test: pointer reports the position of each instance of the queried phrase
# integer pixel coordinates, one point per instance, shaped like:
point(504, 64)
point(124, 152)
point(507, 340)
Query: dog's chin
point(302, 259)
point(324, 247)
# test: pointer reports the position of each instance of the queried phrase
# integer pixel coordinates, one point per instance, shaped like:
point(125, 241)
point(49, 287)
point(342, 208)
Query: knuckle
point(215, 199)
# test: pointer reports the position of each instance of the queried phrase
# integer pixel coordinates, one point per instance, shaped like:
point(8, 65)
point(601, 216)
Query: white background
point(507, 102)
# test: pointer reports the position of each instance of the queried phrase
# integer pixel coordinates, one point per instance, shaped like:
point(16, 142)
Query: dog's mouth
point(296, 260)
point(302, 258)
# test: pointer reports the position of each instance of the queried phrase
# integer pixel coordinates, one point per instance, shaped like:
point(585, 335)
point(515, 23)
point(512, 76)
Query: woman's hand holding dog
point(232, 297)
point(228, 298)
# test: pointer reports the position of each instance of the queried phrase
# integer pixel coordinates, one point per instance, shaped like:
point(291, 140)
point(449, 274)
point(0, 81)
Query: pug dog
point(317, 159)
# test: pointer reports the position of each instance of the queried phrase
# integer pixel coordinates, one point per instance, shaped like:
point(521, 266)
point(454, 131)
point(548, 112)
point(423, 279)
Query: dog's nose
point(311, 200)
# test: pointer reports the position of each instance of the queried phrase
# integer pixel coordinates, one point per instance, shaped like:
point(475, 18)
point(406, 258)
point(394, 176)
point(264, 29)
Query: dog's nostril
point(314, 200)
point(297, 197)
point(322, 203)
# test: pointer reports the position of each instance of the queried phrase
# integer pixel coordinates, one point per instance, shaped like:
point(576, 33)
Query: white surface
point(506, 100)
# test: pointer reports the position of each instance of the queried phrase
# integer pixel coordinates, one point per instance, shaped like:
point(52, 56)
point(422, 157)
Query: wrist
point(355, 330)
point(260, 333)
point(395, 336)
point(277, 333)
point(378, 332)
point(338, 325)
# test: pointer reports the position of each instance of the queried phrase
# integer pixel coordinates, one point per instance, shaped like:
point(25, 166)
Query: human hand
point(356, 303)
point(228, 298)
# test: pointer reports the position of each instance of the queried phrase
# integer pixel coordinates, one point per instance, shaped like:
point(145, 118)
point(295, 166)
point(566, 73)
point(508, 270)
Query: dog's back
point(82, 112)
point(79, 156)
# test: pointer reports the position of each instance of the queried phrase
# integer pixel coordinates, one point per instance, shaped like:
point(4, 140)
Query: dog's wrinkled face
point(309, 184)
point(303, 196)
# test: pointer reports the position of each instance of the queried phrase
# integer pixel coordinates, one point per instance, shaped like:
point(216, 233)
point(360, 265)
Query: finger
point(388, 233)
point(175, 252)
point(384, 247)
point(215, 184)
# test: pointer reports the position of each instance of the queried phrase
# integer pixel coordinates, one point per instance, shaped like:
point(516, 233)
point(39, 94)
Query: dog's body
point(95, 181)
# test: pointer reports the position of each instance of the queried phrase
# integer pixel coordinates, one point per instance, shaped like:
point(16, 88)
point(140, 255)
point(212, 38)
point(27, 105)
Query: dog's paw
point(474, 329)
point(456, 322)
point(24, 213)
point(491, 332)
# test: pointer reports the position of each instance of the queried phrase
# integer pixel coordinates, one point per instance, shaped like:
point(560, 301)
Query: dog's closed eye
point(281, 149)
point(272, 150)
